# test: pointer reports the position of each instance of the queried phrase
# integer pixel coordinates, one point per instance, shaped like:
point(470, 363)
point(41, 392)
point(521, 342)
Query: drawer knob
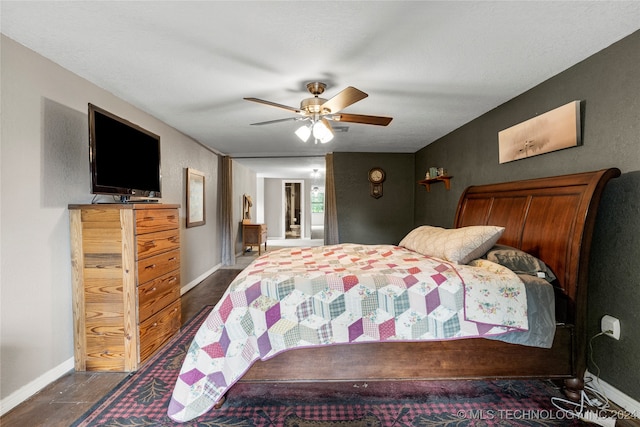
point(150, 266)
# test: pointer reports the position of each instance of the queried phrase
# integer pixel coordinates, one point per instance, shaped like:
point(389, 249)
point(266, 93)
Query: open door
point(293, 209)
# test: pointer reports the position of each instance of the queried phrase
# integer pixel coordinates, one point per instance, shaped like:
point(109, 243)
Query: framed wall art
point(554, 130)
point(195, 198)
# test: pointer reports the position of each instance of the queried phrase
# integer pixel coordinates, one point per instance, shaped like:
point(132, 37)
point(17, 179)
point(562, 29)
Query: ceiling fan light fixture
point(321, 132)
point(318, 111)
point(303, 132)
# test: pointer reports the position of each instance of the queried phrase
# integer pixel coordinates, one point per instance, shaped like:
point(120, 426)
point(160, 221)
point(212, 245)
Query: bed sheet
point(540, 312)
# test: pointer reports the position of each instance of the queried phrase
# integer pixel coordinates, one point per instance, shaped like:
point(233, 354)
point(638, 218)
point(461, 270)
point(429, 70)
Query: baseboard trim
point(31, 388)
point(195, 282)
point(619, 398)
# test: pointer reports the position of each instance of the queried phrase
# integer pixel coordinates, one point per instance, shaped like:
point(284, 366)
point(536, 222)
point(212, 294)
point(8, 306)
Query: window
point(317, 202)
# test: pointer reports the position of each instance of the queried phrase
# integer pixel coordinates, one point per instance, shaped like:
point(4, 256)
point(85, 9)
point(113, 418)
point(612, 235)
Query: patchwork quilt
point(348, 293)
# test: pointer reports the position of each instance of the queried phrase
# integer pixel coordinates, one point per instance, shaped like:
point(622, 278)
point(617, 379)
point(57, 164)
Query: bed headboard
point(551, 218)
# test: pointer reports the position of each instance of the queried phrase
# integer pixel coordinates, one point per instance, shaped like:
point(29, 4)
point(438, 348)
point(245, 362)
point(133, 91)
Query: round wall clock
point(376, 175)
point(376, 178)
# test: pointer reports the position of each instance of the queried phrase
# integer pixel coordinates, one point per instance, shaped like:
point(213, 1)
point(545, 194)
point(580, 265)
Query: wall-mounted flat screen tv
point(125, 158)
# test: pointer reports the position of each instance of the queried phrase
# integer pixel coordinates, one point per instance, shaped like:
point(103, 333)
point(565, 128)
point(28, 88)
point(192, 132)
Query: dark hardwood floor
point(65, 400)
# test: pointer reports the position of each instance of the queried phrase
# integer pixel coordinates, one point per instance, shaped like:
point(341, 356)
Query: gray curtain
point(330, 209)
point(226, 212)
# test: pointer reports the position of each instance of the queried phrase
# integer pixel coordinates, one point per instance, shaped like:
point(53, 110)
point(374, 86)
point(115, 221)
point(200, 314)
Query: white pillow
point(458, 245)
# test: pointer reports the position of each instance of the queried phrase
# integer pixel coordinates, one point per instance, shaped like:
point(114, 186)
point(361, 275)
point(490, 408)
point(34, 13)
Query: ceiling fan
point(319, 111)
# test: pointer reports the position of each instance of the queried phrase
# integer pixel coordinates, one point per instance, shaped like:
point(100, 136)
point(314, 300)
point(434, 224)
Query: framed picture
point(195, 198)
point(554, 130)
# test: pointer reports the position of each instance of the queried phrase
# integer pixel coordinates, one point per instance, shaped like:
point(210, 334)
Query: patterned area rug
point(142, 399)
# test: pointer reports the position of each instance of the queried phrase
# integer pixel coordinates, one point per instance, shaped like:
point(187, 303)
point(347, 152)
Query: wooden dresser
point(254, 235)
point(126, 283)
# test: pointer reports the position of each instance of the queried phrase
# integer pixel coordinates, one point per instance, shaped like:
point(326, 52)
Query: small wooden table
point(254, 235)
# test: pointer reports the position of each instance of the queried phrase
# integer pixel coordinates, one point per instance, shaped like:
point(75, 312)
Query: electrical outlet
point(610, 326)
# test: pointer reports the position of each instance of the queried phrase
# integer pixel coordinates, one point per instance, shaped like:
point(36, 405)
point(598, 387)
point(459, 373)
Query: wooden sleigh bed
point(551, 218)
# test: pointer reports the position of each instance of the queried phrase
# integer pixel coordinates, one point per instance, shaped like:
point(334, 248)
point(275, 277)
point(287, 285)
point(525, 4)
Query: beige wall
point(244, 182)
point(44, 167)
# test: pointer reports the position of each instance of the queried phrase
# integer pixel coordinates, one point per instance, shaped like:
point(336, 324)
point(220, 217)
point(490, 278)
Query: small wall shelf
point(427, 182)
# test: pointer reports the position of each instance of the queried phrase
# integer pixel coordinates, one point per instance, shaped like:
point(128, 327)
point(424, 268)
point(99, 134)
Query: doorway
point(293, 209)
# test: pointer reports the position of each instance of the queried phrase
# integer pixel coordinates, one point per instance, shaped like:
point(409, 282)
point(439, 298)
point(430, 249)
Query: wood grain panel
point(156, 294)
point(77, 283)
point(102, 292)
point(151, 220)
point(473, 212)
point(101, 217)
point(129, 291)
point(397, 361)
point(105, 326)
point(154, 243)
point(509, 212)
point(155, 266)
point(545, 212)
point(156, 330)
point(103, 347)
point(103, 310)
point(109, 364)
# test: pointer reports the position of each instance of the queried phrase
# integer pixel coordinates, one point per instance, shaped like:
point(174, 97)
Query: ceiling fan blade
point(360, 118)
point(327, 124)
point(273, 104)
point(275, 121)
point(342, 100)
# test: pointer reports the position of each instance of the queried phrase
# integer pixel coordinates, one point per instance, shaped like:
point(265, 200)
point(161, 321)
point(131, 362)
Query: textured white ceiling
point(431, 65)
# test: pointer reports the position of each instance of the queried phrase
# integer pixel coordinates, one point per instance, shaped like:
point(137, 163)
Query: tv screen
point(124, 158)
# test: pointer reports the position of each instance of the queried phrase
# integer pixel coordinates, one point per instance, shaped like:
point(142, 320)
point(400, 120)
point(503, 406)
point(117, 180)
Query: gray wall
point(363, 219)
point(45, 167)
point(608, 83)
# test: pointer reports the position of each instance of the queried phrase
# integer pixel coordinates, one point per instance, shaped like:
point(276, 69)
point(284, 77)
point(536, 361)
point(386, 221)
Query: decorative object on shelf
point(195, 198)
point(433, 173)
point(247, 203)
point(443, 178)
point(551, 131)
point(376, 178)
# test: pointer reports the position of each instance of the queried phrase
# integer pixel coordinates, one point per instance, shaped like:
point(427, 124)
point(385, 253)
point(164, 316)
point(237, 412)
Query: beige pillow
point(458, 245)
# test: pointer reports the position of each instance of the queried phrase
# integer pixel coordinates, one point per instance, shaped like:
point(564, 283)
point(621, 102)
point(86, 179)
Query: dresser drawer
point(152, 220)
point(155, 266)
point(158, 329)
point(154, 243)
point(155, 295)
